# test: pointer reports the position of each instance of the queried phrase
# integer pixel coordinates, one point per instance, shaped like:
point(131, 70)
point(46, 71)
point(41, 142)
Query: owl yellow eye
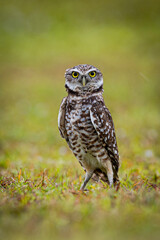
point(92, 74)
point(75, 74)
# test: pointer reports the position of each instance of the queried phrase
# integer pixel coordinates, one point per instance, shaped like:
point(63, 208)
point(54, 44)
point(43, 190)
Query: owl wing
point(103, 124)
point(61, 118)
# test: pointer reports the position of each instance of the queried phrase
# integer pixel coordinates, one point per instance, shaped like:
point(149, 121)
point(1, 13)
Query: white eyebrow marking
point(76, 70)
point(92, 69)
point(69, 71)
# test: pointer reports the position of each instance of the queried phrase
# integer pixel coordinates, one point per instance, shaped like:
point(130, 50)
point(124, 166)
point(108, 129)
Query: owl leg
point(87, 178)
point(109, 170)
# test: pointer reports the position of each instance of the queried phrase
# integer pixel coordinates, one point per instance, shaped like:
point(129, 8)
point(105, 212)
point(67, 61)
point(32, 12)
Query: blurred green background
point(38, 41)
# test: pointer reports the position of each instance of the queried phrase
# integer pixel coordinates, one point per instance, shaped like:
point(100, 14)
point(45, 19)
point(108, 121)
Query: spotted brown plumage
point(87, 126)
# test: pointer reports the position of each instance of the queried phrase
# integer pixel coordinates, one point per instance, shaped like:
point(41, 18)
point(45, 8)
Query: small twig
point(43, 174)
point(43, 178)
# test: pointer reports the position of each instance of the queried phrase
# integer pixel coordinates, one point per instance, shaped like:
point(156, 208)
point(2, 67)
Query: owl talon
point(84, 190)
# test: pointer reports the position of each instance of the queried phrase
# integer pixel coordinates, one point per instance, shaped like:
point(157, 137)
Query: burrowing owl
point(86, 124)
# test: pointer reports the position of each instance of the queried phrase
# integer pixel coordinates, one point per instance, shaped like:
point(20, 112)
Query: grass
point(39, 176)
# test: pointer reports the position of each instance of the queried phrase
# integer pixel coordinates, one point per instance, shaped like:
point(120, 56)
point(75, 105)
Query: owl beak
point(83, 81)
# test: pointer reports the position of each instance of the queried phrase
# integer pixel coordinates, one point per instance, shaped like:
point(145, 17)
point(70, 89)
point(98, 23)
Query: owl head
point(83, 79)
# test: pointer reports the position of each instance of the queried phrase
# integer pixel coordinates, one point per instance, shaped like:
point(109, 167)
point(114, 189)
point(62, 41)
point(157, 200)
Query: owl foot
point(87, 178)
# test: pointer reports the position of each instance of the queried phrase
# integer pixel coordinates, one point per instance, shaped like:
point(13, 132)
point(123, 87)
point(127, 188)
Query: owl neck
point(71, 92)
